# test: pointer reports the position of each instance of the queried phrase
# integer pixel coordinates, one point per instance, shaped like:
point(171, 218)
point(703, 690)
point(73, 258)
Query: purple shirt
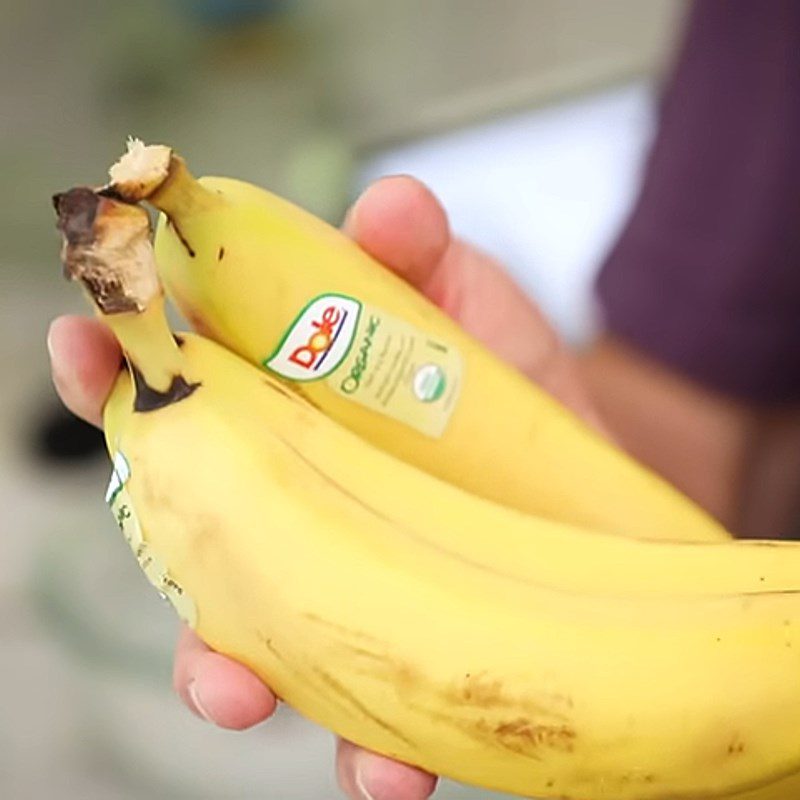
point(705, 276)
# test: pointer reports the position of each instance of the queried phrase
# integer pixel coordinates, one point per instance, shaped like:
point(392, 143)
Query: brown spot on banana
point(498, 721)
point(523, 735)
point(480, 691)
point(736, 745)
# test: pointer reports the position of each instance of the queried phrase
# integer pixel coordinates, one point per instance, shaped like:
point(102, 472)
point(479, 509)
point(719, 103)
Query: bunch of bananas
point(410, 543)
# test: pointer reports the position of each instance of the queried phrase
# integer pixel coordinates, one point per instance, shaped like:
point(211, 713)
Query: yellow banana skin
point(586, 666)
point(240, 263)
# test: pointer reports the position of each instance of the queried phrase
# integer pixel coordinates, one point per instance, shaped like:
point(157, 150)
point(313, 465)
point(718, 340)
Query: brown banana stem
point(107, 248)
point(156, 174)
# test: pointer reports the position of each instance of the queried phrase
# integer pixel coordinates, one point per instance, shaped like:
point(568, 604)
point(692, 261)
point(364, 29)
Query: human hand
point(401, 224)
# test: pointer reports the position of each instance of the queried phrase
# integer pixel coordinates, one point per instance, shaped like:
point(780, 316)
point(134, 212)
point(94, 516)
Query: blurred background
point(529, 118)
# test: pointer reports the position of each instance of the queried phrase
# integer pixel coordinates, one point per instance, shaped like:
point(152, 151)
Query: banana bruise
point(551, 661)
point(254, 272)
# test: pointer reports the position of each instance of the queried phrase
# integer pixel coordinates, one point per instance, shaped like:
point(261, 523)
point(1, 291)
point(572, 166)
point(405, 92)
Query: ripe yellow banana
point(290, 293)
point(420, 621)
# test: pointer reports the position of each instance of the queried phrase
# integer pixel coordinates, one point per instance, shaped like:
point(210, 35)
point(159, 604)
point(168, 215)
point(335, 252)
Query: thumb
point(401, 224)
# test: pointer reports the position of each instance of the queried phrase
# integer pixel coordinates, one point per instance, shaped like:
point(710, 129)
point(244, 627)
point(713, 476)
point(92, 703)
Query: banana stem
point(149, 345)
point(181, 193)
point(107, 248)
point(156, 174)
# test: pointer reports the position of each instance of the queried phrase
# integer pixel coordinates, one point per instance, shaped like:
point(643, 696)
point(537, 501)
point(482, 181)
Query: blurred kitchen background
point(529, 118)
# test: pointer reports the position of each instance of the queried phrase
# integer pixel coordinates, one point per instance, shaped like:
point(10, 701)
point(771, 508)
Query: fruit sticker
point(121, 503)
point(373, 359)
point(398, 370)
point(317, 340)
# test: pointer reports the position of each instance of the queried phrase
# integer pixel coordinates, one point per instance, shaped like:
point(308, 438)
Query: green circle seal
point(429, 383)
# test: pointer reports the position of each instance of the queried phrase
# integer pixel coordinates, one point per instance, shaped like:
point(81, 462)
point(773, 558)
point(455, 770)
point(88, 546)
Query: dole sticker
point(318, 340)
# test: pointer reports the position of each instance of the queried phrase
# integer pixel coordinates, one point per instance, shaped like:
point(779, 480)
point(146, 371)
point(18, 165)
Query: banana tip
point(140, 171)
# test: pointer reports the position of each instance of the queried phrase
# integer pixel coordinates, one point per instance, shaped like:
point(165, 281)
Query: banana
point(497, 648)
point(293, 295)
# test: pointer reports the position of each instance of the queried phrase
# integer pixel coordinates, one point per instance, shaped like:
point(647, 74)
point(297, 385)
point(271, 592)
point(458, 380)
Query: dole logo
point(318, 340)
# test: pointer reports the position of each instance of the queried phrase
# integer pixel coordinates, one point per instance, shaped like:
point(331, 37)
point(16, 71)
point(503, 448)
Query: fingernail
point(52, 348)
point(347, 222)
point(360, 781)
point(56, 360)
point(194, 695)
point(352, 213)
